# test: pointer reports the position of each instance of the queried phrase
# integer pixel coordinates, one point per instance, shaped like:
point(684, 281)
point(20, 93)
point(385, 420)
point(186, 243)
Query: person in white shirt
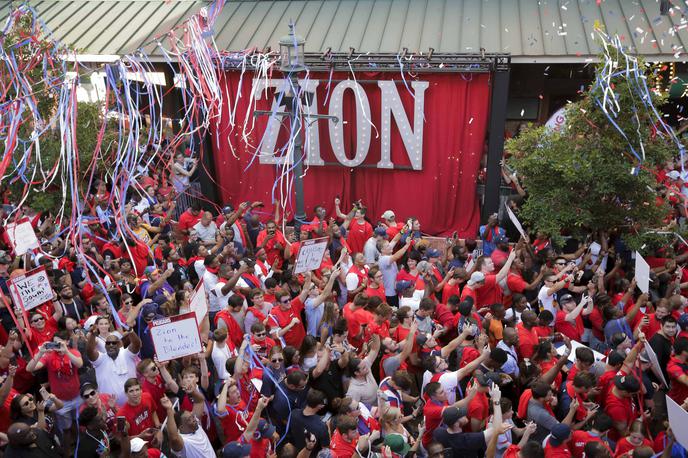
point(370, 249)
point(388, 266)
point(187, 438)
point(223, 289)
point(206, 229)
point(553, 283)
point(221, 353)
point(116, 365)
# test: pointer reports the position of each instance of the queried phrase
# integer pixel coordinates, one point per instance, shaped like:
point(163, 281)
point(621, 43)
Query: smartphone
point(13, 361)
point(52, 346)
point(121, 424)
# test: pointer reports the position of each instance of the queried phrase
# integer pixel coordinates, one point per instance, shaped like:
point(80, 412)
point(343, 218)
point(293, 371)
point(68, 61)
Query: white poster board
point(514, 220)
point(31, 289)
point(656, 368)
point(176, 336)
point(310, 255)
point(22, 237)
point(557, 121)
point(678, 420)
point(642, 273)
point(574, 345)
point(199, 302)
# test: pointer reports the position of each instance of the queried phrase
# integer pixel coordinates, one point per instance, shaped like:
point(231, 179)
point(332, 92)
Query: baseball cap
point(432, 253)
point(265, 429)
point(149, 270)
point(403, 285)
point(627, 383)
point(227, 209)
point(559, 434)
point(236, 450)
point(397, 444)
point(484, 379)
point(421, 339)
point(476, 277)
point(136, 444)
point(87, 386)
point(566, 298)
point(452, 414)
point(683, 321)
point(381, 231)
point(389, 214)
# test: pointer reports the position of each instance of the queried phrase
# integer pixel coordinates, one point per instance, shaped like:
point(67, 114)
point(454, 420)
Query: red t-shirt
point(234, 422)
point(490, 293)
point(355, 318)
point(62, 374)
point(623, 446)
point(273, 254)
point(5, 421)
point(340, 447)
point(619, 409)
point(157, 391)
point(450, 290)
point(39, 337)
point(279, 318)
point(380, 329)
point(578, 440)
point(139, 417)
point(512, 451)
point(433, 418)
point(597, 322)
point(469, 292)
point(543, 331)
point(358, 234)
point(675, 369)
point(478, 408)
point(570, 330)
point(527, 340)
point(516, 284)
point(379, 292)
point(605, 384)
point(187, 221)
point(560, 451)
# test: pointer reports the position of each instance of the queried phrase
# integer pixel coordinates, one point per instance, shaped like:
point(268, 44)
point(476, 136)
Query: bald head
point(20, 434)
point(510, 336)
point(529, 318)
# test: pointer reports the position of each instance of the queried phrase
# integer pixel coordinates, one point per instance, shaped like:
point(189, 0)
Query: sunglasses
point(36, 320)
point(277, 360)
point(90, 394)
point(113, 342)
point(29, 400)
point(260, 334)
point(284, 301)
point(128, 302)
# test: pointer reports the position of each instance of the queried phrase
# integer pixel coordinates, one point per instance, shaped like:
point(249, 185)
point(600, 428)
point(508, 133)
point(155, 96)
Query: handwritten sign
point(176, 336)
point(31, 289)
point(678, 419)
point(310, 255)
point(574, 345)
point(514, 220)
point(199, 302)
point(642, 273)
point(22, 237)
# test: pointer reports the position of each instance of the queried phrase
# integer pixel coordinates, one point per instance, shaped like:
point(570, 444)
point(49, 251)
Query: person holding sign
point(284, 320)
point(677, 369)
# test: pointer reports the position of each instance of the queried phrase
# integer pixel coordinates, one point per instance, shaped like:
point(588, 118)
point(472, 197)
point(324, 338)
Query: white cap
point(136, 444)
point(90, 321)
point(476, 277)
point(389, 214)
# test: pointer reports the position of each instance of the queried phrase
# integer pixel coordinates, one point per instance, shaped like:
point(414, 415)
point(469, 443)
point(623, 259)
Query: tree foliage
point(584, 176)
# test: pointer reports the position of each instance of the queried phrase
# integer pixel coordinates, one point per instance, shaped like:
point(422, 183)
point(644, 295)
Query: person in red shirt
point(654, 324)
point(557, 443)
point(598, 432)
point(490, 292)
point(620, 406)
point(634, 440)
point(435, 402)
point(275, 245)
point(375, 286)
point(190, 217)
point(678, 371)
point(360, 231)
point(358, 319)
point(346, 441)
point(527, 337)
point(515, 282)
point(105, 403)
point(380, 325)
point(232, 411)
point(139, 410)
point(479, 407)
point(156, 381)
point(42, 328)
point(453, 286)
point(569, 320)
point(285, 319)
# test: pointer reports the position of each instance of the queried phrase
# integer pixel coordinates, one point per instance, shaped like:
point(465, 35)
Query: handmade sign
point(574, 345)
point(176, 336)
point(22, 236)
point(515, 221)
point(31, 289)
point(656, 368)
point(199, 302)
point(642, 273)
point(310, 255)
point(678, 419)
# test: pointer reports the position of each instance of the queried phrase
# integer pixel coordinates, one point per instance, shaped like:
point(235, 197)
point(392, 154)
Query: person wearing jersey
point(187, 438)
point(285, 318)
point(436, 403)
point(396, 353)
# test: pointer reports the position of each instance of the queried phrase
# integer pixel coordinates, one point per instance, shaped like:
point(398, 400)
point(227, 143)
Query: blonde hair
point(390, 416)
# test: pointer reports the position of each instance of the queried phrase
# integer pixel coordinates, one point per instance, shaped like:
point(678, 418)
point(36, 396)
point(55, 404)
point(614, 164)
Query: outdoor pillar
point(495, 148)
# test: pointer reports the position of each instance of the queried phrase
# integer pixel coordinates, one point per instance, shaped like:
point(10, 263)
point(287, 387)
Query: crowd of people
point(397, 345)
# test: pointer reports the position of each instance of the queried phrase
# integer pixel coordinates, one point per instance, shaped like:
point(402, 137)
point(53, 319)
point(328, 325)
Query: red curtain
point(442, 195)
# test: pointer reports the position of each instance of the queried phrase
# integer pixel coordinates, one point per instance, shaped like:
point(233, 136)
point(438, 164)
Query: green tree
point(585, 177)
point(29, 46)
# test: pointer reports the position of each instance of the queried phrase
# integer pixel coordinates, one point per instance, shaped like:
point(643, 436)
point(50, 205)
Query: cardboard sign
point(22, 237)
point(514, 220)
point(574, 345)
point(678, 419)
point(656, 368)
point(310, 255)
point(642, 273)
point(199, 302)
point(176, 336)
point(31, 289)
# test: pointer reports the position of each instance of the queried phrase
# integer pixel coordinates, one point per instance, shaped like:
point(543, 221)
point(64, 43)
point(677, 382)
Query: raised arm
point(323, 362)
point(454, 344)
point(399, 254)
point(408, 342)
point(630, 316)
point(91, 348)
point(255, 418)
point(473, 365)
point(504, 271)
point(307, 283)
point(176, 441)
